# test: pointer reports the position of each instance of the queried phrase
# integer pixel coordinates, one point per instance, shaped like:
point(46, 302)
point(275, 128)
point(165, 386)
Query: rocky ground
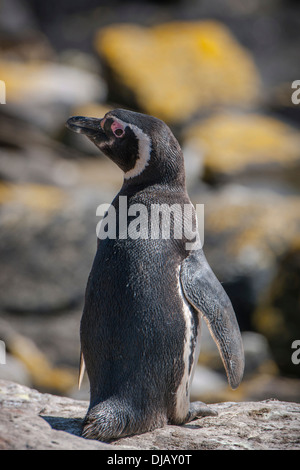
point(30, 420)
point(223, 84)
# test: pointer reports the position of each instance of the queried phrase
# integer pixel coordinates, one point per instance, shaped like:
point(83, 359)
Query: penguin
point(146, 296)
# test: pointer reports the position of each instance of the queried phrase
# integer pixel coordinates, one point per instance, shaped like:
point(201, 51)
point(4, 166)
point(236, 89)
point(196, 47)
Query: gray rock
point(26, 421)
point(47, 254)
point(31, 420)
point(244, 238)
point(14, 370)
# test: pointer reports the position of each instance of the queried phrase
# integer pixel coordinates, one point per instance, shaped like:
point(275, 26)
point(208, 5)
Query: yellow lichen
point(22, 79)
point(177, 68)
point(231, 142)
point(34, 196)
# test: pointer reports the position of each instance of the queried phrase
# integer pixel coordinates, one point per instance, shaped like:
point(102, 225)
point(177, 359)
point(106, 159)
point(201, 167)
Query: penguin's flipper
point(205, 293)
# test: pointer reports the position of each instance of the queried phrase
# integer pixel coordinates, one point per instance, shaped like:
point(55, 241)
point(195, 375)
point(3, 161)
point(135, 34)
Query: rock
point(31, 420)
point(46, 268)
point(262, 385)
point(26, 421)
point(28, 364)
point(175, 70)
point(28, 155)
point(56, 335)
point(245, 232)
point(277, 315)
point(42, 92)
point(41, 82)
point(233, 143)
point(262, 425)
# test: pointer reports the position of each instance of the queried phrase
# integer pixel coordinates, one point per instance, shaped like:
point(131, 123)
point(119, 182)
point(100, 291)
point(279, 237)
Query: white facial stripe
point(144, 150)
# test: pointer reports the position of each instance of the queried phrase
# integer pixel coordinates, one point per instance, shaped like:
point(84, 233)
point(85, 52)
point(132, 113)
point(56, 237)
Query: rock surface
point(224, 86)
point(232, 143)
point(31, 420)
point(245, 236)
point(193, 67)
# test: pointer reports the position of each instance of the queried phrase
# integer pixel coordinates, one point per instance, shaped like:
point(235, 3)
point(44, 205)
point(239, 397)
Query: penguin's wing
point(205, 293)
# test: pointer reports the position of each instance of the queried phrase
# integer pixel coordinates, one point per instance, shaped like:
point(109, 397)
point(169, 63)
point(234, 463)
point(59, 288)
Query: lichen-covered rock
point(245, 232)
point(248, 229)
point(175, 69)
point(231, 143)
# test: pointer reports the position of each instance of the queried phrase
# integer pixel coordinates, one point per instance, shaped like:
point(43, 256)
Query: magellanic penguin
point(145, 296)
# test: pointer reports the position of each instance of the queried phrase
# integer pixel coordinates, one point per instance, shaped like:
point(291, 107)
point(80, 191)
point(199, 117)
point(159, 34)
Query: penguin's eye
point(117, 129)
point(119, 132)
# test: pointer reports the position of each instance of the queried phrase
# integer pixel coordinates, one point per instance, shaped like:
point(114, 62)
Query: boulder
point(29, 362)
point(246, 231)
point(34, 421)
point(47, 245)
point(234, 143)
point(26, 420)
point(42, 92)
point(177, 69)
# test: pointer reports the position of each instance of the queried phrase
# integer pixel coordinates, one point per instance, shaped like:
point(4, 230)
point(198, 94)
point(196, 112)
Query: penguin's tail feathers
point(107, 421)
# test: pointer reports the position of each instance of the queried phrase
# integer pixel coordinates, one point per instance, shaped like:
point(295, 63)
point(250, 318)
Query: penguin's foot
point(198, 409)
point(105, 423)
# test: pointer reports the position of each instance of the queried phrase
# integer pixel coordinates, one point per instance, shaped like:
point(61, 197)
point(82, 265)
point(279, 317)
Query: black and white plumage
point(145, 297)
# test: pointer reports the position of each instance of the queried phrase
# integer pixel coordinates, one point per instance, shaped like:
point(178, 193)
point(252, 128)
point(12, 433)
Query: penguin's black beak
point(89, 126)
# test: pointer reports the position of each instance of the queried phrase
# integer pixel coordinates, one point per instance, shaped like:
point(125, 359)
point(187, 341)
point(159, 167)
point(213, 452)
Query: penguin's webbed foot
point(198, 409)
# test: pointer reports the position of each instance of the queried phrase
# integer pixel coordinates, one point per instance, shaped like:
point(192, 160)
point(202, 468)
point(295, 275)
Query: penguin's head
point(141, 145)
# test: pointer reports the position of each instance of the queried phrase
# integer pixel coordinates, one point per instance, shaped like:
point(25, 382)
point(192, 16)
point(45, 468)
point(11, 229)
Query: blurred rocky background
point(219, 72)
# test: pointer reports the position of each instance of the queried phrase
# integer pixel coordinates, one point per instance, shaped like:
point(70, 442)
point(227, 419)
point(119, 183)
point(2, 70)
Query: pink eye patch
point(117, 129)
